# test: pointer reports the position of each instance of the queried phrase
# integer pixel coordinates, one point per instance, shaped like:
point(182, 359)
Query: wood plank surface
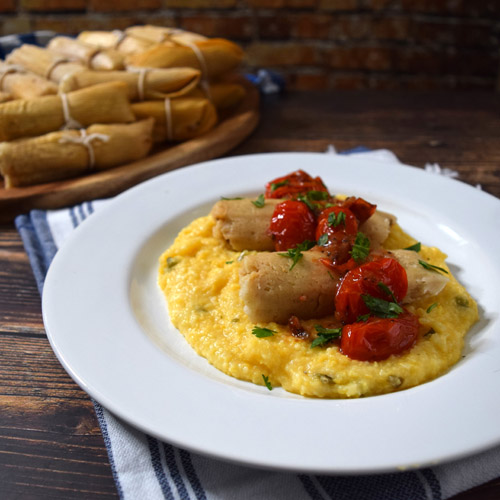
point(50, 442)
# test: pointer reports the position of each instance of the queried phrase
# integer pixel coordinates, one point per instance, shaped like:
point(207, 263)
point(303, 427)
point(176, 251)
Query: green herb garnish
point(362, 318)
point(171, 262)
point(261, 333)
point(229, 261)
point(335, 220)
point(260, 201)
point(317, 195)
point(387, 290)
point(323, 240)
point(431, 307)
point(431, 267)
point(361, 248)
point(266, 381)
point(382, 308)
point(295, 253)
point(415, 248)
point(276, 185)
point(325, 335)
point(229, 199)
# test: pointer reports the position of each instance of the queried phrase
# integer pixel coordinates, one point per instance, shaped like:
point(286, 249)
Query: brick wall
point(314, 44)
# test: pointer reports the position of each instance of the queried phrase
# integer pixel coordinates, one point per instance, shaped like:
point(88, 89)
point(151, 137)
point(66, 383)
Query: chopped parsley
point(276, 185)
point(361, 248)
point(260, 201)
point(335, 220)
point(386, 290)
point(317, 195)
point(431, 267)
point(229, 261)
point(325, 335)
point(266, 381)
point(431, 307)
point(295, 253)
point(362, 318)
point(382, 308)
point(261, 333)
point(229, 199)
point(171, 262)
point(415, 248)
point(323, 240)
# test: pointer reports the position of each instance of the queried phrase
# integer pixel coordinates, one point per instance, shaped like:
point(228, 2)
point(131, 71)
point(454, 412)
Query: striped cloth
point(144, 467)
point(10, 42)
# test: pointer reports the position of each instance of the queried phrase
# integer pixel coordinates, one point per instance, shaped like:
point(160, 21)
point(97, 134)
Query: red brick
point(200, 4)
point(7, 6)
point(274, 27)
point(309, 81)
point(48, 5)
point(123, 5)
point(281, 54)
point(336, 5)
point(317, 26)
point(360, 57)
point(235, 28)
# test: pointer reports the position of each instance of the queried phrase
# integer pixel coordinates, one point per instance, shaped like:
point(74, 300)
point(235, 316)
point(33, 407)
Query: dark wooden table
point(50, 442)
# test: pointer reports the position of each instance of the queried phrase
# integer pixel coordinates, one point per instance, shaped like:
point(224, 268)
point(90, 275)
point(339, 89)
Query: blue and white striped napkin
point(144, 467)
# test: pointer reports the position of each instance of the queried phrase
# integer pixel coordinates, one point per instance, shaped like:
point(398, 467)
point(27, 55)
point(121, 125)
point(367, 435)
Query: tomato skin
point(340, 237)
point(378, 338)
point(294, 184)
point(361, 208)
point(365, 279)
point(292, 223)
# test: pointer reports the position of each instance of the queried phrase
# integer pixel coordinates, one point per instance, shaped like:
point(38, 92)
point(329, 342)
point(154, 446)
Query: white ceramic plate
point(107, 322)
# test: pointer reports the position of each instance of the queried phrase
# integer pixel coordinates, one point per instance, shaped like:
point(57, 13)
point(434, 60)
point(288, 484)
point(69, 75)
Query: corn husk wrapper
point(104, 103)
point(21, 84)
point(159, 34)
point(219, 56)
point(61, 155)
point(93, 57)
point(190, 117)
point(43, 62)
point(5, 96)
point(223, 95)
point(117, 40)
point(157, 83)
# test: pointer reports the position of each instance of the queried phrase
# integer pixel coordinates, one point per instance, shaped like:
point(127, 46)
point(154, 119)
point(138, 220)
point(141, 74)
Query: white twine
point(121, 36)
point(86, 140)
point(9, 69)
point(56, 62)
point(141, 81)
point(70, 122)
point(168, 119)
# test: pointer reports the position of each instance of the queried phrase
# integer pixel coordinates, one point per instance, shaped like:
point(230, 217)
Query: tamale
point(22, 84)
point(223, 95)
point(103, 103)
point(142, 84)
point(4, 97)
point(213, 57)
point(70, 153)
point(91, 56)
point(178, 119)
point(159, 34)
point(118, 40)
point(43, 62)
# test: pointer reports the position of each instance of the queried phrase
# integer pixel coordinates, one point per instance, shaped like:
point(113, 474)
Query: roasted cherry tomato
point(378, 338)
point(294, 184)
point(340, 227)
point(366, 279)
point(362, 209)
point(292, 223)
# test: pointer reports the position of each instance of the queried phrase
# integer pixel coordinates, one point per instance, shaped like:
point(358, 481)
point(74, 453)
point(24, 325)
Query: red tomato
point(362, 209)
point(289, 186)
point(365, 279)
point(378, 338)
point(340, 226)
point(292, 223)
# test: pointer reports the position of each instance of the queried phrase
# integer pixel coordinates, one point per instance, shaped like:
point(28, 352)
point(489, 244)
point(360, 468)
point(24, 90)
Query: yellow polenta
point(199, 277)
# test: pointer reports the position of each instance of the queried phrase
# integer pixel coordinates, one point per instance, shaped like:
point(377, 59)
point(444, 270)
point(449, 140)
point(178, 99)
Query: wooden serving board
point(230, 132)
